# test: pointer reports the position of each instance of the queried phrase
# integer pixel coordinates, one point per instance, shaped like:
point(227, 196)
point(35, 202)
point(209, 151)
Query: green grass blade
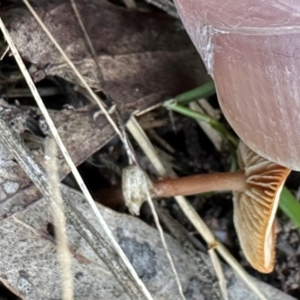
point(172, 105)
point(204, 91)
point(288, 203)
point(290, 206)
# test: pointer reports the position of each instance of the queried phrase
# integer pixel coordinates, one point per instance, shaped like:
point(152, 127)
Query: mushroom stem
point(188, 185)
point(201, 183)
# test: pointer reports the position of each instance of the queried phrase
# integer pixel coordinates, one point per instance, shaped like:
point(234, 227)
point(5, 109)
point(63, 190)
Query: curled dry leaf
point(142, 56)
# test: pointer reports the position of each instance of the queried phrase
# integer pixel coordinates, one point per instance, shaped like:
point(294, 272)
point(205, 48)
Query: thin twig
point(136, 188)
point(139, 134)
point(219, 272)
point(63, 253)
point(69, 160)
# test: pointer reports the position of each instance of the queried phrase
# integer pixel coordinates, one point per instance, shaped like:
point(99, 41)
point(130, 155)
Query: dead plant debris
point(145, 57)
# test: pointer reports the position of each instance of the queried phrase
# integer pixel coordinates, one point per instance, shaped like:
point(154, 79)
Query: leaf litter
point(141, 67)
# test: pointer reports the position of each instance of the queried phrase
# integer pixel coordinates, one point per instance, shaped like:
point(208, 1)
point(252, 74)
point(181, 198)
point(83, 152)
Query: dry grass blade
point(163, 240)
point(63, 253)
point(4, 53)
point(219, 272)
point(72, 66)
point(87, 39)
point(138, 133)
point(215, 137)
point(189, 211)
point(136, 188)
point(69, 160)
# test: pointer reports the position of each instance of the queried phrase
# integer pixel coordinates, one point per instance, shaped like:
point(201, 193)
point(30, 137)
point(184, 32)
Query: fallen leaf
point(142, 56)
point(144, 59)
point(29, 263)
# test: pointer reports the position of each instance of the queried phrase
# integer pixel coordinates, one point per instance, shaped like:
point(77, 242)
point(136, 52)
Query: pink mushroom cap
point(251, 48)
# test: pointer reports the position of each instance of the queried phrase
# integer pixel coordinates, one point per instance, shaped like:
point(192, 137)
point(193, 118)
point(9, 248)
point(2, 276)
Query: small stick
point(59, 218)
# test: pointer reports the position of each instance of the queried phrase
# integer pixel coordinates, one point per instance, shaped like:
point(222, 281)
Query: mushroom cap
point(255, 209)
point(251, 49)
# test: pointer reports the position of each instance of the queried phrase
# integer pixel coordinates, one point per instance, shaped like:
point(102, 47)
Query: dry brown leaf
point(76, 127)
point(29, 262)
point(83, 126)
point(142, 56)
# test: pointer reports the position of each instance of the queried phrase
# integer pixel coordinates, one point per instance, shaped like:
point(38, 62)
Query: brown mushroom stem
point(189, 185)
point(201, 183)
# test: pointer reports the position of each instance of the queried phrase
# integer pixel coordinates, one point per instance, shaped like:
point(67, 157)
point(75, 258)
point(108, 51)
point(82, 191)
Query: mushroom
point(256, 190)
point(256, 206)
point(251, 49)
point(256, 193)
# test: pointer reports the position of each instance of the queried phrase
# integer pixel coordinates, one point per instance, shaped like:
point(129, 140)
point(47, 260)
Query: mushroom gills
point(255, 208)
